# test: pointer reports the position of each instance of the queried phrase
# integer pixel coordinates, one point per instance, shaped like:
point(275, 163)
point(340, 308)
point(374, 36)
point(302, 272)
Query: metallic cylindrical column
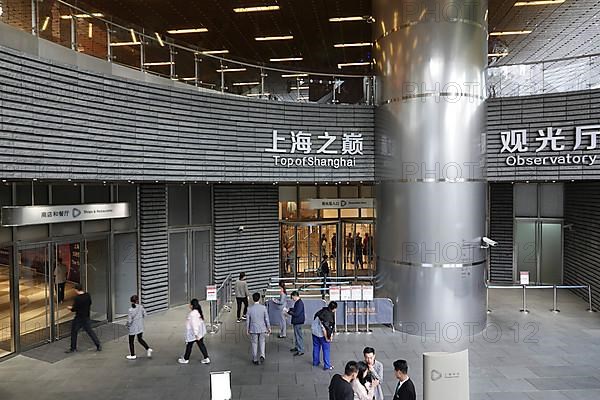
point(430, 58)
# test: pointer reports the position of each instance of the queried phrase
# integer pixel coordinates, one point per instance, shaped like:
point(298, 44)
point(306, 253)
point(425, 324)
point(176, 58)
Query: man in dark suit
point(405, 390)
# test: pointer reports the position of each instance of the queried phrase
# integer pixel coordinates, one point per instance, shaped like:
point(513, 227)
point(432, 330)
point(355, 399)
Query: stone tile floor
point(539, 356)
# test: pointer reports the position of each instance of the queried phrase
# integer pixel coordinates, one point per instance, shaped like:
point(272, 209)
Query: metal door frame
point(107, 283)
point(16, 294)
point(538, 245)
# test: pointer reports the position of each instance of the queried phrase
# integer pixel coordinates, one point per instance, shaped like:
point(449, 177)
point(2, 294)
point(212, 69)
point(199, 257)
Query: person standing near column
point(258, 326)
point(135, 325)
point(60, 278)
point(281, 309)
point(241, 296)
point(405, 389)
point(195, 330)
point(376, 370)
point(81, 308)
point(297, 313)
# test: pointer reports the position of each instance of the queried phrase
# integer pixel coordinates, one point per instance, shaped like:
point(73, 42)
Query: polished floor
point(533, 356)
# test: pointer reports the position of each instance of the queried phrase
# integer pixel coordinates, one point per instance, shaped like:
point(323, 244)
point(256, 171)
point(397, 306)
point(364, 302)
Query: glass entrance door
point(200, 275)
point(358, 249)
point(6, 311)
point(35, 295)
point(96, 277)
point(538, 250)
point(67, 271)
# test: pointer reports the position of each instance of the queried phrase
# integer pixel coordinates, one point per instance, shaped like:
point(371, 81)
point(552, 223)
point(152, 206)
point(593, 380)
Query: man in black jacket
point(340, 387)
point(81, 308)
point(297, 313)
point(405, 390)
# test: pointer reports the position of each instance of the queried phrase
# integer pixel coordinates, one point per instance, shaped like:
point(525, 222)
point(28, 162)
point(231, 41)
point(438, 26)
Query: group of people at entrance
point(195, 328)
point(361, 380)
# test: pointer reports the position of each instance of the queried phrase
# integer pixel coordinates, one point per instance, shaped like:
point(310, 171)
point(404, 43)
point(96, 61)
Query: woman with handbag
point(195, 330)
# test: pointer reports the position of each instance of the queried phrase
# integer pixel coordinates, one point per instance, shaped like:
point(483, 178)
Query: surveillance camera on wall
point(241, 228)
point(486, 242)
point(369, 19)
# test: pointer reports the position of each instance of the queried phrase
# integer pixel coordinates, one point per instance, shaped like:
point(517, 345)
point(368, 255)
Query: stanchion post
point(346, 317)
point(524, 309)
point(487, 299)
point(555, 301)
point(356, 330)
point(367, 309)
point(590, 308)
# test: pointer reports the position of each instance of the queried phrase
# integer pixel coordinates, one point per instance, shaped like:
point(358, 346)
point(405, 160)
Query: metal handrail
point(541, 286)
point(198, 51)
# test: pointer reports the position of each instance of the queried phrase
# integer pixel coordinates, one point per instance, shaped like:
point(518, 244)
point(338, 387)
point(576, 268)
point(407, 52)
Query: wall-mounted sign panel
point(34, 215)
point(320, 204)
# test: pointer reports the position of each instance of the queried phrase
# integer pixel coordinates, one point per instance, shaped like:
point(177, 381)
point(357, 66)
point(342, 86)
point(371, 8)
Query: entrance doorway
point(47, 276)
point(345, 243)
point(189, 265)
point(539, 250)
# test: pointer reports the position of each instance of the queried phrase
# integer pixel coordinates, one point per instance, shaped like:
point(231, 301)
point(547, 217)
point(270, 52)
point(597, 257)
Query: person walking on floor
point(340, 387)
point(405, 389)
point(297, 313)
point(60, 278)
point(135, 325)
point(322, 328)
point(365, 385)
point(281, 309)
point(258, 326)
point(324, 272)
point(241, 296)
point(81, 308)
point(375, 369)
point(195, 330)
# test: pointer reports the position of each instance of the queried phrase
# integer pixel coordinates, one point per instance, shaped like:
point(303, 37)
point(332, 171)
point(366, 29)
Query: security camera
point(241, 228)
point(487, 242)
point(369, 19)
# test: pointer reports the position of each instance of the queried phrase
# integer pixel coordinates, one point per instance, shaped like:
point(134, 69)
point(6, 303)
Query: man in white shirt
point(376, 370)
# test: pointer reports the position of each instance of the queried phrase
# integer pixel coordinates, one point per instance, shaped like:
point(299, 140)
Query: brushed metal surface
point(430, 60)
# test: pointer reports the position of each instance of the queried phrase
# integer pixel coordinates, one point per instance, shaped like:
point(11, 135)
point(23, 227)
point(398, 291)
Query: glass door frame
point(13, 299)
point(190, 231)
point(538, 246)
point(108, 281)
point(354, 222)
point(340, 246)
point(54, 245)
point(16, 295)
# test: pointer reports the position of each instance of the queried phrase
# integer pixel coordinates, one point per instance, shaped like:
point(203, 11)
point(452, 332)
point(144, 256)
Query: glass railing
point(91, 32)
point(554, 76)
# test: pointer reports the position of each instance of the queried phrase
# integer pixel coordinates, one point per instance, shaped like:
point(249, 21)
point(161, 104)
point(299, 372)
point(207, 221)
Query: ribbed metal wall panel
point(535, 113)
point(154, 248)
point(581, 262)
point(256, 249)
point(61, 122)
point(501, 230)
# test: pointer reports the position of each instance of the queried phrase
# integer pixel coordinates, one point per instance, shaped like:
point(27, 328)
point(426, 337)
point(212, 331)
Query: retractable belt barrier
point(554, 288)
point(221, 302)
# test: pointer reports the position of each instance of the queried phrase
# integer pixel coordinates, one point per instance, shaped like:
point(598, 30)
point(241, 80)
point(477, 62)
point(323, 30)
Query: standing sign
point(334, 293)
point(220, 385)
point(446, 376)
point(367, 293)
point(211, 292)
point(346, 293)
point(524, 277)
point(356, 293)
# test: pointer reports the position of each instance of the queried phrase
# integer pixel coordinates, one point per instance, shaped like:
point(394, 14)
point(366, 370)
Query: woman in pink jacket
point(195, 330)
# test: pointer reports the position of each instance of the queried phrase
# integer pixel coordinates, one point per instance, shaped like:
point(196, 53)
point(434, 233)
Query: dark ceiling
point(567, 29)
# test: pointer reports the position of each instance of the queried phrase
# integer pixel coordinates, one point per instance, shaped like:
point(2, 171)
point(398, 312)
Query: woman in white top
point(364, 387)
point(135, 325)
point(195, 330)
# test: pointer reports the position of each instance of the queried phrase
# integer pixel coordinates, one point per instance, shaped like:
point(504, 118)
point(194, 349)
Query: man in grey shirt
point(241, 296)
point(258, 326)
point(376, 370)
point(60, 278)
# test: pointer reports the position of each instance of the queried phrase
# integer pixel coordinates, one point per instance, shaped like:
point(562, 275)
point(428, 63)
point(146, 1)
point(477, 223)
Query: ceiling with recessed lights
point(560, 29)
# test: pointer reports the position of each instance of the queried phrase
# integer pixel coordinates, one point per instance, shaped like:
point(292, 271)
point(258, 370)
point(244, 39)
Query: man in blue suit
point(297, 313)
